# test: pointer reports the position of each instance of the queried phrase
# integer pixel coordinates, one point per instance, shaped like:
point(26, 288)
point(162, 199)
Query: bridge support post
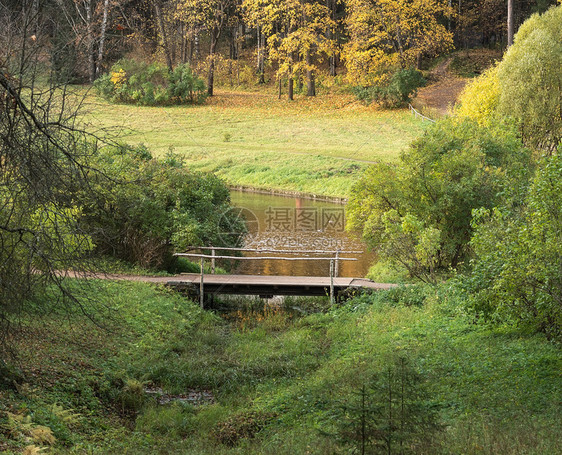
point(201, 290)
point(332, 300)
point(213, 261)
point(337, 264)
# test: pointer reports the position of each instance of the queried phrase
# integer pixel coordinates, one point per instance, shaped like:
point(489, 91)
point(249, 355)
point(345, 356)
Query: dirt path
point(118, 276)
point(441, 95)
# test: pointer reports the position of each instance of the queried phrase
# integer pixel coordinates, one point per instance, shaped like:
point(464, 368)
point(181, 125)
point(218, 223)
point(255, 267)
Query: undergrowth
point(277, 381)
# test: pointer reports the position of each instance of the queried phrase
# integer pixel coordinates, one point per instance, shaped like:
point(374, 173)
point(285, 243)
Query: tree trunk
point(261, 56)
point(290, 91)
point(299, 79)
point(211, 76)
point(311, 85)
point(183, 48)
point(102, 37)
point(510, 23)
point(333, 65)
point(330, 35)
point(91, 41)
point(163, 35)
point(234, 43)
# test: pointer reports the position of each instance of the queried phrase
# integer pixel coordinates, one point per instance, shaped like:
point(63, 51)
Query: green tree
point(417, 213)
point(391, 413)
point(531, 80)
point(516, 271)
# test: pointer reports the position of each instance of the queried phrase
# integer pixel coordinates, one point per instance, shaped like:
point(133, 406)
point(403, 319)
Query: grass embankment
point(311, 145)
point(277, 380)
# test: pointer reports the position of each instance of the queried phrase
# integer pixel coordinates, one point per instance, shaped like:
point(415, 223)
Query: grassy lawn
point(276, 379)
point(253, 139)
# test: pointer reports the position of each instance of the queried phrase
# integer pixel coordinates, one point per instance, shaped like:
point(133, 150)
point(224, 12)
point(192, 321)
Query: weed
point(132, 396)
point(244, 425)
point(278, 380)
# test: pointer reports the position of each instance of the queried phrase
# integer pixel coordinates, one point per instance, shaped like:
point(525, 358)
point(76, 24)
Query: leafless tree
point(45, 159)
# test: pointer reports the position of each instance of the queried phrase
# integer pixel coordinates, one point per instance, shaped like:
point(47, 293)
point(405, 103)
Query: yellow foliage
point(66, 415)
point(42, 435)
point(21, 426)
point(293, 29)
point(386, 34)
point(33, 450)
point(118, 78)
point(479, 99)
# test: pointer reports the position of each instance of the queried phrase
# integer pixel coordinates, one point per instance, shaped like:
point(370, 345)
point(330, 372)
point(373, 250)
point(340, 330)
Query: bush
point(479, 99)
point(516, 274)
point(158, 207)
point(401, 87)
point(152, 84)
point(242, 426)
point(417, 214)
point(531, 80)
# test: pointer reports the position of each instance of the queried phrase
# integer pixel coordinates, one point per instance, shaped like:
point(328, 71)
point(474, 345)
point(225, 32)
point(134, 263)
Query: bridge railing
point(334, 259)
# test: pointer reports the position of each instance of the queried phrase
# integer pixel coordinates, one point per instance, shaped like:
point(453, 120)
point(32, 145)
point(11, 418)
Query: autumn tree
point(211, 15)
point(296, 36)
point(390, 34)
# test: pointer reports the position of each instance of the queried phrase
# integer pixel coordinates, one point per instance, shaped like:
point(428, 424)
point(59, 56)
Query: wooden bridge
point(270, 285)
point(207, 285)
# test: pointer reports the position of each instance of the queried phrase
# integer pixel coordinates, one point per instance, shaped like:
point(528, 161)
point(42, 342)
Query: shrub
point(531, 80)
point(417, 214)
point(516, 275)
point(241, 426)
point(157, 207)
point(400, 88)
point(152, 84)
point(132, 396)
point(479, 99)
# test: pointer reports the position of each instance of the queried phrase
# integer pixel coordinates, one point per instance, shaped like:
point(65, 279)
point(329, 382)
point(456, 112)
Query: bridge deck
point(270, 285)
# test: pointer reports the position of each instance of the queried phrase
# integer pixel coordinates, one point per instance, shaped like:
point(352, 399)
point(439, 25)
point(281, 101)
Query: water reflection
point(289, 223)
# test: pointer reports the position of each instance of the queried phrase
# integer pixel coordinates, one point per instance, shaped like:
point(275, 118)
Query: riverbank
point(289, 194)
point(163, 376)
point(315, 146)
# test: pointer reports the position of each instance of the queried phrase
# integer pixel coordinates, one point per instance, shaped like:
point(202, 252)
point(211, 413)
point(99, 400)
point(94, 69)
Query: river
point(292, 223)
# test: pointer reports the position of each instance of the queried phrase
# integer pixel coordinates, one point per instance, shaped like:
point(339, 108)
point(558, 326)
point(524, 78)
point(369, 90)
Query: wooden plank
point(274, 285)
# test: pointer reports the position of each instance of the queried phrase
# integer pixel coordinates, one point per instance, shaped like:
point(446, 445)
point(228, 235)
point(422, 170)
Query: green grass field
point(316, 146)
point(277, 377)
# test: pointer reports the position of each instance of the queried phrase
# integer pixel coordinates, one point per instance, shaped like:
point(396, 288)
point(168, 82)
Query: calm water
point(289, 223)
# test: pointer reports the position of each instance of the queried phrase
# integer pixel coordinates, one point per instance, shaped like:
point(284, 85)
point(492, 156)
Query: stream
point(293, 223)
